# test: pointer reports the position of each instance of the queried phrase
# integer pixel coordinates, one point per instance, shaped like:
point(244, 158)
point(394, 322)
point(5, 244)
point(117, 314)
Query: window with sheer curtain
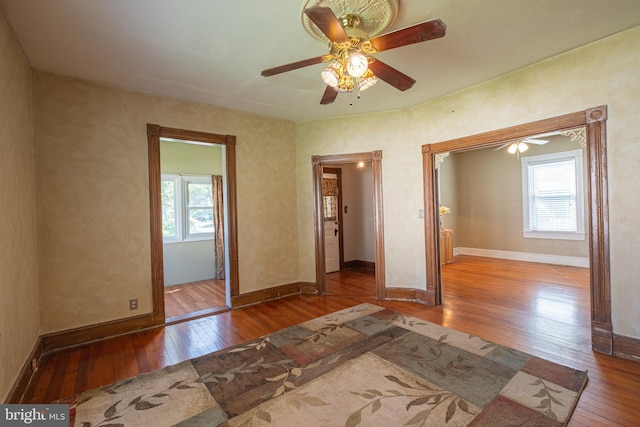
point(330, 197)
point(552, 191)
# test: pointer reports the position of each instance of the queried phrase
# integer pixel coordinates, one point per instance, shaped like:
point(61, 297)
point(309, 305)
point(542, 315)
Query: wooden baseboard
point(524, 256)
point(309, 288)
point(85, 334)
point(360, 265)
point(262, 295)
point(601, 337)
point(406, 294)
point(26, 373)
point(626, 347)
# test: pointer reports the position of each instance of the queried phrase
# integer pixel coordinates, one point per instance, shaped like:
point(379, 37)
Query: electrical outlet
point(133, 304)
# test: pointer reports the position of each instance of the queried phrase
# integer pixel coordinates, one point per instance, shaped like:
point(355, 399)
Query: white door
point(331, 225)
point(331, 246)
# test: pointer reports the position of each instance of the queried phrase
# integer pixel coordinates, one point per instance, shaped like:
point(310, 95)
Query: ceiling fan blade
point(502, 146)
point(326, 20)
point(390, 75)
point(535, 141)
point(428, 30)
point(293, 66)
point(330, 95)
point(542, 135)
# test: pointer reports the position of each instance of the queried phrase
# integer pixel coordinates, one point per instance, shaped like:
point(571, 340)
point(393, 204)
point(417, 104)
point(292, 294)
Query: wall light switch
point(420, 213)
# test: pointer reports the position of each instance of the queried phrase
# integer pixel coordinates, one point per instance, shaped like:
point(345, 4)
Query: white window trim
point(182, 227)
point(579, 234)
point(177, 191)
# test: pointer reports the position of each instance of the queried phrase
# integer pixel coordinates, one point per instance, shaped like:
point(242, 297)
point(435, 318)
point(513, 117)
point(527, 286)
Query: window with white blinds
point(552, 191)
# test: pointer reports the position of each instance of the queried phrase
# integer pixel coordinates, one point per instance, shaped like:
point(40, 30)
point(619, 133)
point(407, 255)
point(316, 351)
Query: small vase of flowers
point(443, 210)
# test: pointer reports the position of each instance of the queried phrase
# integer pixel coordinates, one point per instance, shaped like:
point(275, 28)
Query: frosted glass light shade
point(357, 64)
point(331, 74)
point(520, 147)
point(367, 80)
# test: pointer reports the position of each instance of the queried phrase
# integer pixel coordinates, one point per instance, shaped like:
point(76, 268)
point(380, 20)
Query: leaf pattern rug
point(362, 366)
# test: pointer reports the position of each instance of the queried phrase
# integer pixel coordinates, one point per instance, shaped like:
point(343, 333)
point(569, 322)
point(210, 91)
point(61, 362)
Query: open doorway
point(203, 216)
point(594, 121)
point(348, 229)
point(346, 162)
point(192, 177)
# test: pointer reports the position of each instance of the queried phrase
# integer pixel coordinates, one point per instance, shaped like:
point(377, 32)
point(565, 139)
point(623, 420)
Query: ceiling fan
point(351, 62)
point(520, 146)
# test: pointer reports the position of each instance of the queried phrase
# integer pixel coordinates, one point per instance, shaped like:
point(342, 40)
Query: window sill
point(188, 240)
point(553, 235)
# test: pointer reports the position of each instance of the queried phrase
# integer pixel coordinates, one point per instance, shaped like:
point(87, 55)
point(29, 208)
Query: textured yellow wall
point(18, 280)
point(604, 72)
point(93, 203)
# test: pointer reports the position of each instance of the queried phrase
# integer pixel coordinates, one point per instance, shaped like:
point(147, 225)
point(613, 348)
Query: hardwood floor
point(194, 297)
point(352, 282)
point(537, 308)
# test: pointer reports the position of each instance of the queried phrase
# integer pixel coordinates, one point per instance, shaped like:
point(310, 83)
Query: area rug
point(364, 365)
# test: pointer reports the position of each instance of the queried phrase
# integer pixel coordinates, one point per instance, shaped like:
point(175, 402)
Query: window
point(187, 208)
point(330, 208)
point(170, 189)
point(330, 196)
point(552, 193)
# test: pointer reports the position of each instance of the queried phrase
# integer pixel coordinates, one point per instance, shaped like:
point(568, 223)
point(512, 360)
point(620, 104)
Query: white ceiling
point(213, 51)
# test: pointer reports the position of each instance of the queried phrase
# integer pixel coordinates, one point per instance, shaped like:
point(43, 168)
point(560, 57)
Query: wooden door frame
point(154, 133)
point(594, 121)
point(318, 162)
point(338, 173)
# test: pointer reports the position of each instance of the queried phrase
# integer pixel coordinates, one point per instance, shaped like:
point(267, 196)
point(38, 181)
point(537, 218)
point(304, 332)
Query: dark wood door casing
point(318, 162)
point(154, 133)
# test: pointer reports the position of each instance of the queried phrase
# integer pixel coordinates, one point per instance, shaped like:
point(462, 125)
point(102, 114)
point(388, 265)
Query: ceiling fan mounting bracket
point(349, 20)
point(368, 17)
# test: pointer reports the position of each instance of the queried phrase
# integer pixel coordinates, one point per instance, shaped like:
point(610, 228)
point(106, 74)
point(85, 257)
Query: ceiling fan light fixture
point(517, 147)
point(367, 80)
point(331, 74)
point(357, 64)
point(346, 83)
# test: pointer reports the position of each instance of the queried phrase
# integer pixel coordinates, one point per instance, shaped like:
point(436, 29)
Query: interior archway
point(594, 120)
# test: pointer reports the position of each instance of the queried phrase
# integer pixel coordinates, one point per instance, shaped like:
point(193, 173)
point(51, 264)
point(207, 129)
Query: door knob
point(335, 231)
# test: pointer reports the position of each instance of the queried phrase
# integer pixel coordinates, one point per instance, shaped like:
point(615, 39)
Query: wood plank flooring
point(537, 308)
point(193, 297)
